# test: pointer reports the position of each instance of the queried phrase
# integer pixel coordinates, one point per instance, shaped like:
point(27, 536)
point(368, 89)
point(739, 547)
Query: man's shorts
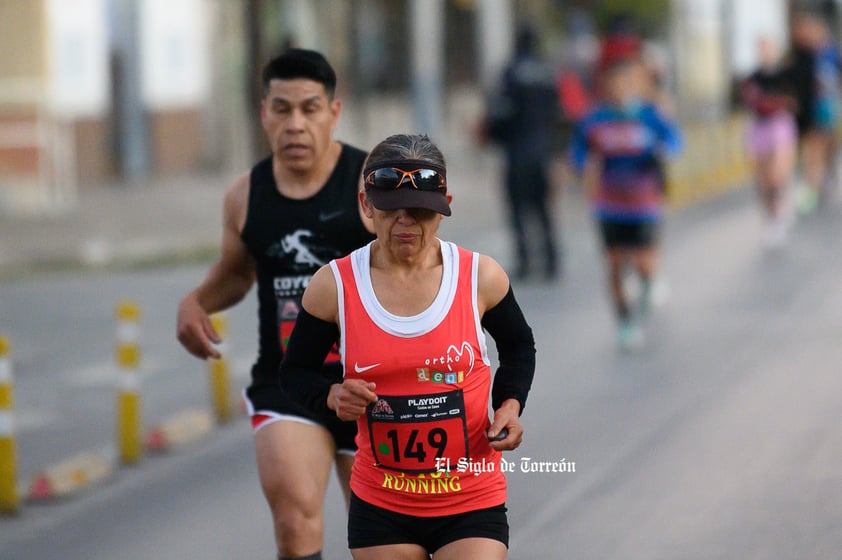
point(268, 403)
point(629, 235)
point(369, 525)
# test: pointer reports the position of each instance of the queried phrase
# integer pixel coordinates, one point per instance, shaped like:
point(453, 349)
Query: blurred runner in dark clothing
point(522, 118)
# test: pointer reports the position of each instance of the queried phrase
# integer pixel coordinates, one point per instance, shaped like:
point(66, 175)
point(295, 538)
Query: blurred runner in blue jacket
point(619, 147)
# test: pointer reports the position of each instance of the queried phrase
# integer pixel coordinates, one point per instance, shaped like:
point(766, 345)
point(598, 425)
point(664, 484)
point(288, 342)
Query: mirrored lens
point(426, 179)
point(386, 178)
point(392, 178)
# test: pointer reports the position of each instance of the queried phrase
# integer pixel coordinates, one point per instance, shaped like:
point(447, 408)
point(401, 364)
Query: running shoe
point(630, 336)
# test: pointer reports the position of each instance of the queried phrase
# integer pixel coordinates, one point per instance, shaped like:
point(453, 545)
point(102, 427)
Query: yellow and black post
point(8, 447)
point(127, 354)
point(219, 373)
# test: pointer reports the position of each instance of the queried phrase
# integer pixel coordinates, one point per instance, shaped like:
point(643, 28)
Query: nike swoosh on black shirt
point(327, 216)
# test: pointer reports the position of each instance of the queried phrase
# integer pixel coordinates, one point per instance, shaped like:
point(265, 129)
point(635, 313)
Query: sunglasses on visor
point(392, 178)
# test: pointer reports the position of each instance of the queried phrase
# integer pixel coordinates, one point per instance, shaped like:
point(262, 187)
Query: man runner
point(290, 214)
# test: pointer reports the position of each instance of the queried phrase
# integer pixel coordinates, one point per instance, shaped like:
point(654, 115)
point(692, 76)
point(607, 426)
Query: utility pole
point(426, 25)
point(254, 62)
point(133, 131)
point(494, 33)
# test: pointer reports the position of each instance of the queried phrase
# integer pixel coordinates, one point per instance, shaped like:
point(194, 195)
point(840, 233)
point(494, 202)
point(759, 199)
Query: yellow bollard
point(127, 354)
point(219, 373)
point(8, 449)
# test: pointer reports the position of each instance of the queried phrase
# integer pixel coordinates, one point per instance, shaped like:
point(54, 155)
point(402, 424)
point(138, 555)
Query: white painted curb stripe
point(129, 382)
point(128, 331)
point(5, 371)
point(7, 423)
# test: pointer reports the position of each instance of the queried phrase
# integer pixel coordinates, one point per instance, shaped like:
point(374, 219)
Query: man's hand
point(195, 331)
point(350, 398)
point(506, 417)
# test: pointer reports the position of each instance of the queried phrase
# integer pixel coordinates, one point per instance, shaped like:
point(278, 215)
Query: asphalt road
point(720, 439)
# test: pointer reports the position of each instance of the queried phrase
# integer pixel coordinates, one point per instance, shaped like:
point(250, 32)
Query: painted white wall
point(302, 21)
point(77, 59)
point(175, 54)
point(753, 20)
point(698, 41)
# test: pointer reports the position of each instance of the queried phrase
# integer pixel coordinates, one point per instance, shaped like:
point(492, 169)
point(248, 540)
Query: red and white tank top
point(422, 448)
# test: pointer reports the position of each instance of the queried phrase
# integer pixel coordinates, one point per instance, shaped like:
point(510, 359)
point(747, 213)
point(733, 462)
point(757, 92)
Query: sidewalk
point(118, 225)
point(171, 219)
point(179, 218)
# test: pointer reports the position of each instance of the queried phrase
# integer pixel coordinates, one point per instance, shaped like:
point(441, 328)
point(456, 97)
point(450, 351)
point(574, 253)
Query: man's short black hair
point(300, 63)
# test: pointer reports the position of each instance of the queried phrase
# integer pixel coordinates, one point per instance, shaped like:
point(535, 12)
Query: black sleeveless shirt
point(290, 240)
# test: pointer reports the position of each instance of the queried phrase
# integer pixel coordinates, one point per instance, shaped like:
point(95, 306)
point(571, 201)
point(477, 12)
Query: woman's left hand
point(506, 417)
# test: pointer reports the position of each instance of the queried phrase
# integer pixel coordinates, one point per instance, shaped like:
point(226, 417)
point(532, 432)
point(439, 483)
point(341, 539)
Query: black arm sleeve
point(515, 350)
point(300, 373)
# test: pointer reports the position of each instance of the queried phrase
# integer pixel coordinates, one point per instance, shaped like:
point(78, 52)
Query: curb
point(70, 476)
point(179, 430)
point(167, 256)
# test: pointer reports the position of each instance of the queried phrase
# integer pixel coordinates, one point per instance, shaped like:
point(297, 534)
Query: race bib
point(288, 310)
point(287, 313)
point(418, 433)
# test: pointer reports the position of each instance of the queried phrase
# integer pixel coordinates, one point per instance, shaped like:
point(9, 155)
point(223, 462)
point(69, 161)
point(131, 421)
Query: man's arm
point(227, 281)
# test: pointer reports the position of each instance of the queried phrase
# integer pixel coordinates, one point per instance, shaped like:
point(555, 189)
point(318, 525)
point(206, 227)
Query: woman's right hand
point(350, 398)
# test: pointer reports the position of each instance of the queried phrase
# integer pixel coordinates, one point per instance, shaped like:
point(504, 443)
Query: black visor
point(407, 183)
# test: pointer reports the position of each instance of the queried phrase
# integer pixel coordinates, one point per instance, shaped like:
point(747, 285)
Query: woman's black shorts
point(369, 525)
point(633, 235)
